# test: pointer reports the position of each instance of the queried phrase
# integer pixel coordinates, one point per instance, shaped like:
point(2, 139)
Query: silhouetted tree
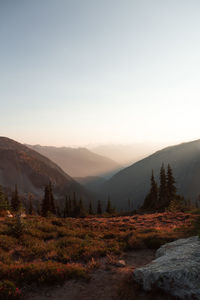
point(109, 208)
point(30, 208)
point(15, 201)
point(46, 202)
point(171, 188)
point(151, 200)
point(99, 209)
point(90, 209)
point(66, 209)
point(75, 206)
point(163, 191)
point(52, 201)
point(4, 204)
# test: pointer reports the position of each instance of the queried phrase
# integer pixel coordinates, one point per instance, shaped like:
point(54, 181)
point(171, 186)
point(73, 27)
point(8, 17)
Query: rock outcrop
point(176, 270)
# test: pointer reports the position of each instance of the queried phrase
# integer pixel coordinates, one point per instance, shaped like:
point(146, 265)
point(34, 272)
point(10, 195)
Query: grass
point(51, 250)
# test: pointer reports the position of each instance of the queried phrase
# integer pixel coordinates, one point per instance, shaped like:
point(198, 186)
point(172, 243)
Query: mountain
point(79, 162)
point(91, 183)
point(133, 182)
point(126, 154)
point(31, 171)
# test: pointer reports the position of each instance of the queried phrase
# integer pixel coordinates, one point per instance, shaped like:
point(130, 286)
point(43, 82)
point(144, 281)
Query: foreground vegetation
point(39, 250)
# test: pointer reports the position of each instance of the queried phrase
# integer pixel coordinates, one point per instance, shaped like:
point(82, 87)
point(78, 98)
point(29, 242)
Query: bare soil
point(107, 282)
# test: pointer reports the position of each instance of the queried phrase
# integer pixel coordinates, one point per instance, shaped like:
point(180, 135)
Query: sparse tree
point(171, 188)
point(151, 200)
point(99, 209)
point(15, 201)
point(109, 208)
point(163, 191)
point(30, 208)
point(90, 209)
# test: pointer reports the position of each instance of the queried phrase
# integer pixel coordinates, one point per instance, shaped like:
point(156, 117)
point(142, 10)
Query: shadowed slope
point(31, 171)
point(133, 182)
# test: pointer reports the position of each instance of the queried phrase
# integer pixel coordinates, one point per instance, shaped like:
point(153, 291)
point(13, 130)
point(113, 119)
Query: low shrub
point(8, 291)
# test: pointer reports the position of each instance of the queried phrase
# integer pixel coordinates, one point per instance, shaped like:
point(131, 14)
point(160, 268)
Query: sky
point(79, 72)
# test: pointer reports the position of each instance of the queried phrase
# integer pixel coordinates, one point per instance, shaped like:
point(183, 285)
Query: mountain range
point(79, 162)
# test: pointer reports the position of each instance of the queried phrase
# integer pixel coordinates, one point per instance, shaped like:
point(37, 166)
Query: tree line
point(73, 207)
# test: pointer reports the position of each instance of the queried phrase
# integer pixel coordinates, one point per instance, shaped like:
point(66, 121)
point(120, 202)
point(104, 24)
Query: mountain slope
point(79, 162)
point(31, 171)
point(133, 182)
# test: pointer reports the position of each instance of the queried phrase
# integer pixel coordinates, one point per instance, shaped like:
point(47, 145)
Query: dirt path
point(107, 282)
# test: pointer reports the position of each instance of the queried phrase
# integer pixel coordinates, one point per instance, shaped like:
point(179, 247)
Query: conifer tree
point(66, 209)
point(99, 209)
point(70, 206)
point(4, 205)
point(52, 201)
point(58, 212)
point(90, 209)
point(163, 192)
point(30, 208)
point(46, 202)
point(15, 201)
point(108, 208)
point(171, 188)
point(151, 200)
point(75, 208)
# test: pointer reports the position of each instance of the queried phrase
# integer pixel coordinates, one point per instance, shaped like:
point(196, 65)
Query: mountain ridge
point(31, 171)
point(134, 181)
point(79, 162)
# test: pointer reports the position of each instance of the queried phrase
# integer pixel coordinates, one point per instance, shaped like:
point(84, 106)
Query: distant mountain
point(79, 162)
point(91, 183)
point(31, 171)
point(126, 154)
point(134, 182)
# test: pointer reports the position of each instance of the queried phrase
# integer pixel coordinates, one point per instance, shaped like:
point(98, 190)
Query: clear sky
point(75, 72)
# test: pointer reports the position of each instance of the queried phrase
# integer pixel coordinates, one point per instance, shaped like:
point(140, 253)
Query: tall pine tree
point(171, 188)
point(109, 208)
point(15, 201)
point(99, 209)
point(163, 192)
point(90, 209)
point(151, 200)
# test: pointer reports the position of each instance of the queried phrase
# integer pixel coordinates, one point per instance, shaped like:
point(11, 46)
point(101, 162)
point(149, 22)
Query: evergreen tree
point(163, 192)
point(46, 202)
point(99, 209)
point(52, 201)
point(75, 207)
point(108, 208)
point(129, 204)
point(151, 200)
point(15, 201)
point(4, 205)
point(66, 209)
point(58, 212)
point(80, 207)
point(30, 208)
point(90, 209)
point(80, 210)
point(70, 206)
point(171, 188)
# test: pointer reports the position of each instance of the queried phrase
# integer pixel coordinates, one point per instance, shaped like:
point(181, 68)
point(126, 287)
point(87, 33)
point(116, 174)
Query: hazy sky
point(74, 72)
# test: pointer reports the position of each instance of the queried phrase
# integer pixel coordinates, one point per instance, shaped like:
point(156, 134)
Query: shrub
point(8, 291)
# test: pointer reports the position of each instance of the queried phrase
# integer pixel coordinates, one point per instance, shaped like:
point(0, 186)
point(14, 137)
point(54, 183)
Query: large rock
point(176, 269)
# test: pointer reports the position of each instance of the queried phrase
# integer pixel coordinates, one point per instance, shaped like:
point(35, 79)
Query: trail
point(107, 282)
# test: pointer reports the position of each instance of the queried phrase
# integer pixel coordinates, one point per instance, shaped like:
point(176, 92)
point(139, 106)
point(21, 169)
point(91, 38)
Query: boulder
point(176, 270)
